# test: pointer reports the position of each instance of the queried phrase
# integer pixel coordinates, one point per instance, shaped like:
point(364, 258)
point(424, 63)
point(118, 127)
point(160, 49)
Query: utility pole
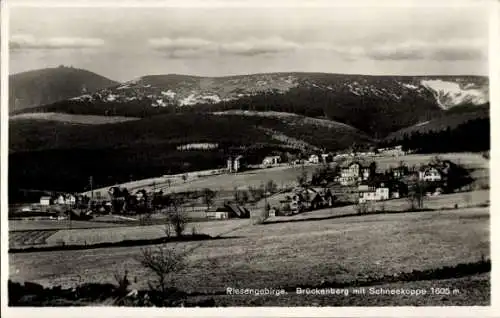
point(91, 181)
point(153, 196)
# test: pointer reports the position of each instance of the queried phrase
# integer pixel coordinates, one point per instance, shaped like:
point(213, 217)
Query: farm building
point(228, 211)
point(271, 160)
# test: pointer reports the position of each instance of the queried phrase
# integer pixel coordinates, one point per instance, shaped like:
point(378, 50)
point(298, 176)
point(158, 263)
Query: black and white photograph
point(247, 154)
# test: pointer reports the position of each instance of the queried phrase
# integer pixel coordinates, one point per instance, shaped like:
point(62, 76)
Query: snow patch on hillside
point(422, 123)
point(212, 98)
point(409, 86)
point(449, 94)
point(190, 100)
point(86, 97)
point(112, 97)
point(170, 94)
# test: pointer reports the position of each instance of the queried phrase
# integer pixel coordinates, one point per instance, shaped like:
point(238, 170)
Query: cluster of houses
point(66, 199)
point(303, 199)
point(391, 184)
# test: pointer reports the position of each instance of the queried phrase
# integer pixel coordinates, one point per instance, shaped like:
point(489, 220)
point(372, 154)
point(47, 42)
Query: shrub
point(361, 208)
point(271, 187)
point(261, 216)
point(122, 283)
point(256, 193)
point(179, 221)
point(145, 219)
point(167, 229)
point(208, 197)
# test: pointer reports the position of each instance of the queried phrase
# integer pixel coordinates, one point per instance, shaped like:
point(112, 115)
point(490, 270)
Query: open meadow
point(287, 254)
point(111, 234)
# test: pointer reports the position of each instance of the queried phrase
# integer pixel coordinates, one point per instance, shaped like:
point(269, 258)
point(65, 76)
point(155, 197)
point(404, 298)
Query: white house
point(70, 199)
point(314, 159)
point(430, 174)
point(45, 201)
point(234, 165)
point(271, 160)
point(378, 194)
point(325, 157)
point(218, 215)
point(352, 173)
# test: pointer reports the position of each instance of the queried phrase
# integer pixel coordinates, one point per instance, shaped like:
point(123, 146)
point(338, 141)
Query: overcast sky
point(125, 43)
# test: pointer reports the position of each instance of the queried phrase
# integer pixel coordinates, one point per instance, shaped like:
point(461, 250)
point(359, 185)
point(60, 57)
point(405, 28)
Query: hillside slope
point(377, 105)
point(61, 155)
point(46, 86)
point(449, 120)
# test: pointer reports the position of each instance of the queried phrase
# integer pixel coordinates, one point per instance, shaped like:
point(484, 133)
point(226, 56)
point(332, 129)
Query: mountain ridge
point(48, 85)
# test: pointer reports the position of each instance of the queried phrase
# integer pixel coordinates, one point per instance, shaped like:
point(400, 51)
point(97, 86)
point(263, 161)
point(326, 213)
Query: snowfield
point(409, 86)
point(449, 94)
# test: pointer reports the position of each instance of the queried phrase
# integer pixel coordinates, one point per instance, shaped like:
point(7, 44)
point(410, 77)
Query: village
point(336, 180)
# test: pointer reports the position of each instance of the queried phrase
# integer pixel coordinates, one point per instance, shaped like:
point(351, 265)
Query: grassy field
point(45, 224)
point(87, 236)
point(287, 254)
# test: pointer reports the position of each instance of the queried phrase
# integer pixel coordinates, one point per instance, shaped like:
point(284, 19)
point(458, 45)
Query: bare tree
point(271, 187)
point(175, 217)
point(244, 197)
point(179, 221)
point(302, 177)
point(416, 194)
point(208, 197)
point(236, 194)
point(163, 262)
point(256, 193)
point(468, 199)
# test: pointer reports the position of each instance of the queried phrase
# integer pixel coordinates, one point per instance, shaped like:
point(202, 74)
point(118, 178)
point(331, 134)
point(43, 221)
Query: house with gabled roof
point(352, 172)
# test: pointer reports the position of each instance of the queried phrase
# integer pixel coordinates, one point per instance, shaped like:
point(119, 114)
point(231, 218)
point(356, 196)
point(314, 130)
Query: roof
point(428, 167)
point(347, 164)
point(238, 210)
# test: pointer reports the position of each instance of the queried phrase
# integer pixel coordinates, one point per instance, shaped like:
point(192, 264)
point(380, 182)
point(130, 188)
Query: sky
point(123, 43)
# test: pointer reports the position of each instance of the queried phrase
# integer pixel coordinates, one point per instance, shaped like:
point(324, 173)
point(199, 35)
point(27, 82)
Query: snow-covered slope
point(452, 93)
point(180, 90)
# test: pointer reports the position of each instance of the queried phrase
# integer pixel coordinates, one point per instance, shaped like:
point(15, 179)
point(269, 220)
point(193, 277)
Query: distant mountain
point(49, 85)
point(376, 105)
